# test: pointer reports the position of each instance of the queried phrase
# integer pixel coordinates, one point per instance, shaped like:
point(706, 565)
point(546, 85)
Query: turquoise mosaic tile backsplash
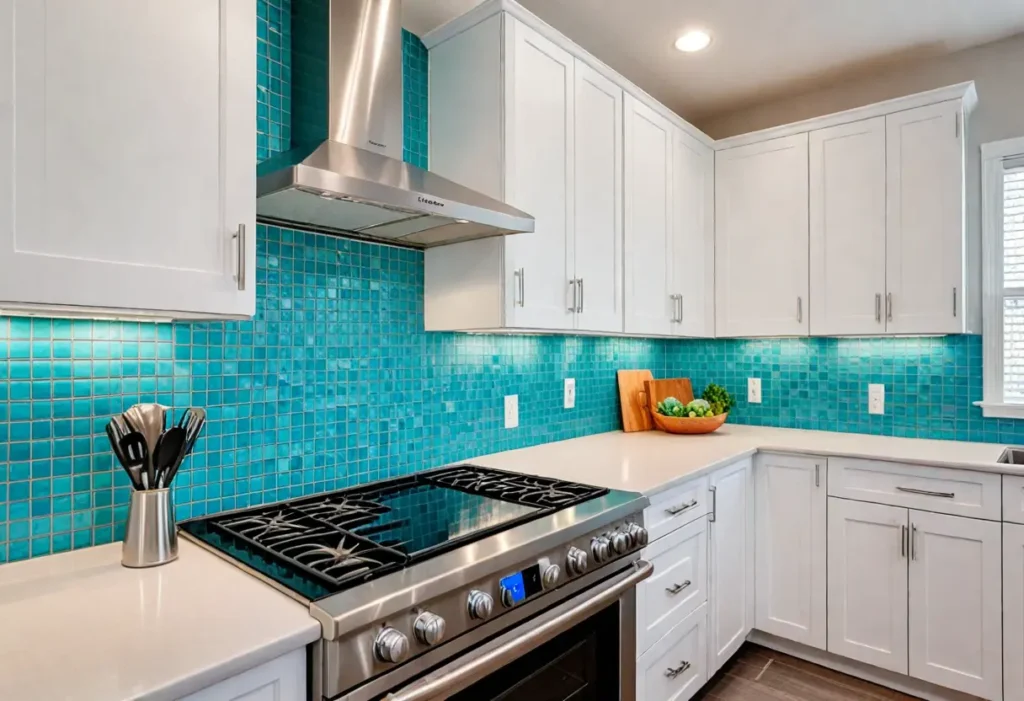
point(334, 381)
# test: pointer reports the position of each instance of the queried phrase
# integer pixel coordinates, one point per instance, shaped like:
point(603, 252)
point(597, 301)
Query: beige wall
point(998, 72)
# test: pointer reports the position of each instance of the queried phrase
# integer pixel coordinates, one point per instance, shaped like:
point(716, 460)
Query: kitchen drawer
point(1013, 499)
point(676, 507)
point(676, 667)
point(940, 489)
point(678, 585)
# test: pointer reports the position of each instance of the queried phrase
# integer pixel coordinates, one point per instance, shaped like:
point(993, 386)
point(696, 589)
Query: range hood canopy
point(355, 181)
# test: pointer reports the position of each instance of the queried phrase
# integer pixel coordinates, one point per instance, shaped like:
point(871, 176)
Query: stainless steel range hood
point(356, 181)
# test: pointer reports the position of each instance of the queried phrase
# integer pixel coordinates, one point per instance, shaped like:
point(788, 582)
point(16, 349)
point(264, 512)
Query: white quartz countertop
point(80, 626)
point(651, 461)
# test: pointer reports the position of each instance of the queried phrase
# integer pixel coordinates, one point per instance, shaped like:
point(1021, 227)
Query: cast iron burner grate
point(521, 489)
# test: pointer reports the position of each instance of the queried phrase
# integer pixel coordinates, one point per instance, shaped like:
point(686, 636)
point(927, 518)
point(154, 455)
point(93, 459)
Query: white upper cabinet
point(925, 219)
point(791, 504)
point(847, 222)
point(650, 304)
point(598, 201)
point(761, 243)
point(127, 156)
point(693, 235)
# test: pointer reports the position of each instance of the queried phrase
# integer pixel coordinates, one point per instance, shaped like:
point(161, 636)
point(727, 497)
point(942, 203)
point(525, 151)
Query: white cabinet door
point(648, 215)
point(281, 679)
point(847, 217)
point(761, 241)
point(127, 154)
point(867, 583)
point(925, 219)
point(539, 179)
point(1013, 612)
point(955, 603)
point(598, 201)
point(731, 562)
point(693, 235)
point(791, 502)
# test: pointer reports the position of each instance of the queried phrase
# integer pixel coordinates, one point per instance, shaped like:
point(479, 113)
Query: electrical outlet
point(754, 390)
point(876, 399)
point(512, 411)
point(570, 393)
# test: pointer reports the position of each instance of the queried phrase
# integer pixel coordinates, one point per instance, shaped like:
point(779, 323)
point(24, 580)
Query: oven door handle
point(447, 681)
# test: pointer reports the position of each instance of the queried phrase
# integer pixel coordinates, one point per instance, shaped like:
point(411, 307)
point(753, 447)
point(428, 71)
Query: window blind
point(1013, 281)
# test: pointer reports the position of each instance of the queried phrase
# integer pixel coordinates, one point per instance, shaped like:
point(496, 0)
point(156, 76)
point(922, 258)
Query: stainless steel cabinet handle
point(888, 306)
point(954, 302)
point(676, 510)
point(676, 588)
point(878, 307)
point(675, 308)
point(714, 504)
point(913, 542)
point(453, 678)
point(903, 541)
point(927, 493)
point(240, 276)
point(800, 310)
point(579, 285)
point(575, 299)
point(520, 279)
point(817, 476)
point(673, 672)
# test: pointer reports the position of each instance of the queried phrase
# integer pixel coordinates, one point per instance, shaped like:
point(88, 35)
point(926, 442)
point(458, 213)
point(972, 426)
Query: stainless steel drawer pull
point(927, 493)
point(676, 510)
point(673, 672)
point(240, 277)
point(676, 588)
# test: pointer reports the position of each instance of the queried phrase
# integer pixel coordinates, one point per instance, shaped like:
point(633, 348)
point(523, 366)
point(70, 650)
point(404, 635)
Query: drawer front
point(940, 489)
point(676, 507)
point(1013, 499)
point(678, 585)
point(676, 667)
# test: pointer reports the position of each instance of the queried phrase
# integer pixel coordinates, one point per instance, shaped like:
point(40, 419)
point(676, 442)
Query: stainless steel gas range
point(463, 583)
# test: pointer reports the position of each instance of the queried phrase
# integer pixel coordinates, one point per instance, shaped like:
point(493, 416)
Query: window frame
point(993, 154)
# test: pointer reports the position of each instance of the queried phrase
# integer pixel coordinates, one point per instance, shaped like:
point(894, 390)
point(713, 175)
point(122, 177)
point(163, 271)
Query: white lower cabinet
point(1013, 612)
point(281, 679)
point(731, 562)
point(791, 502)
point(955, 601)
point(676, 668)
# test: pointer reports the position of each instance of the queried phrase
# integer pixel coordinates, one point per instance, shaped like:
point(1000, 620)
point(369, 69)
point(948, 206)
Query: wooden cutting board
point(657, 390)
point(632, 396)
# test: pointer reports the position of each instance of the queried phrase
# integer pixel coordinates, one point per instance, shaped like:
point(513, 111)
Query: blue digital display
point(514, 584)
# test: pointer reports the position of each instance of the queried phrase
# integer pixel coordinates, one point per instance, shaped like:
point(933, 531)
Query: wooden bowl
point(687, 425)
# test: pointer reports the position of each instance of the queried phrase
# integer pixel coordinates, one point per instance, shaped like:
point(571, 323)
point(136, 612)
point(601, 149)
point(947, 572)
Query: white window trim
point(992, 155)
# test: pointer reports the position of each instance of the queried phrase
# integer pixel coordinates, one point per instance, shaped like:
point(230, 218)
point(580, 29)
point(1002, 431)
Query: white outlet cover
point(876, 399)
point(754, 390)
point(570, 393)
point(512, 411)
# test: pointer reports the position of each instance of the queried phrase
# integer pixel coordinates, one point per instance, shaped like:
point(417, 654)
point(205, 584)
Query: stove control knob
point(576, 562)
point(620, 542)
point(638, 533)
point(549, 579)
point(391, 646)
point(429, 628)
point(506, 598)
point(601, 548)
point(481, 605)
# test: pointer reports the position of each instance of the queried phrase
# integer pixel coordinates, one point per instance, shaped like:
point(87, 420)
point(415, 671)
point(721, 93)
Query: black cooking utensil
point(134, 474)
point(136, 454)
point(194, 419)
point(168, 449)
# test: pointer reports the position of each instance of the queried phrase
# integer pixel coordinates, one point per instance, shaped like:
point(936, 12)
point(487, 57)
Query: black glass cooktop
point(326, 543)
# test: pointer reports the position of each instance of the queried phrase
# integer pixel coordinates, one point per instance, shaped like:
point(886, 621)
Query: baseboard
point(882, 677)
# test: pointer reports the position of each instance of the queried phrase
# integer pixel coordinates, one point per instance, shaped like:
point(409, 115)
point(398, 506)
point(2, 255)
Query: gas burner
point(342, 511)
point(523, 489)
point(348, 558)
point(266, 527)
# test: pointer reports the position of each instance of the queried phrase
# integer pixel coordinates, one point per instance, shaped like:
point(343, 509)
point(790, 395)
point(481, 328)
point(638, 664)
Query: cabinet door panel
point(1013, 612)
point(598, 201)
point(925, 219)
point(761, 243)
point(128, 153)
point(539, 141)
point(847, 210)
point(648, 211)
point(676, 668)
point(679, 583)
point(693, 234)
point(867, 583)
point(955, 603)
point(791, 548)
point(731, 585)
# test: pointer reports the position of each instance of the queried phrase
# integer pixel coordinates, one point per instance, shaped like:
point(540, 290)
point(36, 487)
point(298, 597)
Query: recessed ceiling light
point(693, 40)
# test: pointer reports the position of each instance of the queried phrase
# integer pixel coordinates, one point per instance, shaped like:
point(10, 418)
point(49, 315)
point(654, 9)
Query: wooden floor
point(759, 674)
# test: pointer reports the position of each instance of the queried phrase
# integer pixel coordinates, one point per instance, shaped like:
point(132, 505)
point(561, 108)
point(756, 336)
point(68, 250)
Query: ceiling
point(761, 49)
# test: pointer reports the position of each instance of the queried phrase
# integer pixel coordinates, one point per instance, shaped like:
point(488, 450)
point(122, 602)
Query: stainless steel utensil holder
point(150, 538)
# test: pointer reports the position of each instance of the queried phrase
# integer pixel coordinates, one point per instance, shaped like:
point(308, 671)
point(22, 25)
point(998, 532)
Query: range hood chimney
point(356, 182)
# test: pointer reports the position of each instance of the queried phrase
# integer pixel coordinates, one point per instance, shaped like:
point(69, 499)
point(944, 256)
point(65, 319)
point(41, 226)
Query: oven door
point(578, 649)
